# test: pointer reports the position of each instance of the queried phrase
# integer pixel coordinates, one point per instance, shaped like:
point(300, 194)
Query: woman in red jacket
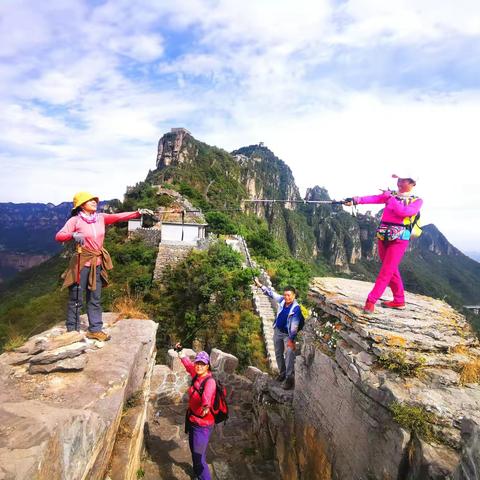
point(199, 418)
point(88, 268)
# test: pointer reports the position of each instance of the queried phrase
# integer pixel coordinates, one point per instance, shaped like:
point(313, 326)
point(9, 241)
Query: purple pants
point(198, 440)
point(391, 254)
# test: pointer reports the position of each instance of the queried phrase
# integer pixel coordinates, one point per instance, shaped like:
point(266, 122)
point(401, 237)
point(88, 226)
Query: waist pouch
point(392, 232)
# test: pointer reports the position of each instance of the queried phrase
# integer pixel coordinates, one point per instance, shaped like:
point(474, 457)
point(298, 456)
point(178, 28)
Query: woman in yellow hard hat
point(88, 268)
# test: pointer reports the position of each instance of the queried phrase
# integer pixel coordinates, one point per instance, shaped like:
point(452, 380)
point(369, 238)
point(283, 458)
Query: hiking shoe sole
point(384, 305)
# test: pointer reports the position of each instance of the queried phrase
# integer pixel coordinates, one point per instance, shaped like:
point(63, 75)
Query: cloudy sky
point(346, 92)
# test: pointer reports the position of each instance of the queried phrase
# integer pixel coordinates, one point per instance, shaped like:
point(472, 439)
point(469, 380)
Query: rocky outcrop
point(174, 148)
point(391, 395)
point(82, 422)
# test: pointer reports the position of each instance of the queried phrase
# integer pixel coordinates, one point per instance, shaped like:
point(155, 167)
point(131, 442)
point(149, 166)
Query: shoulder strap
point(201, 388)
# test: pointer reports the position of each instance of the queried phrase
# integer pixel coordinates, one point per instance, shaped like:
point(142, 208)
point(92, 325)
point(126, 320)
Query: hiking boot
point(288, 383)
point(280, 378)
point(369, 307)
point(100, 336)
point(394, 304)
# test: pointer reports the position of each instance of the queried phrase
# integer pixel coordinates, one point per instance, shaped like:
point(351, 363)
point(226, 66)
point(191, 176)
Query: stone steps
point(262, 304)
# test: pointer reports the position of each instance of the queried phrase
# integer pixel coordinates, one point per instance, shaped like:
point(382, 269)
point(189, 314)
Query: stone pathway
point(263, 304)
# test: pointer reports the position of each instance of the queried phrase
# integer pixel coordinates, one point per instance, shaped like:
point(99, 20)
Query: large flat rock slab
point(422, 357)
point(63, 425)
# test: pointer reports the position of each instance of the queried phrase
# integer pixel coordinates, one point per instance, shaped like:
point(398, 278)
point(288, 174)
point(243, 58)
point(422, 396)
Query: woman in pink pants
point(393, 236)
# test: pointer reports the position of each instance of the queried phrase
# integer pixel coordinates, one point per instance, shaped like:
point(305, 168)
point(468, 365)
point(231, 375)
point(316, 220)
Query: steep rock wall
point(71, 424)
point(376, 397)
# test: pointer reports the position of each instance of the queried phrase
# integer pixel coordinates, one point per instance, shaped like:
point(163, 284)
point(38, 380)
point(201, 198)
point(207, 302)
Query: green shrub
point(220, 223)
point(415, 419)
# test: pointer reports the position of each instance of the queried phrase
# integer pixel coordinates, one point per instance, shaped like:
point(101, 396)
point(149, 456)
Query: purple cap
point(202, 357)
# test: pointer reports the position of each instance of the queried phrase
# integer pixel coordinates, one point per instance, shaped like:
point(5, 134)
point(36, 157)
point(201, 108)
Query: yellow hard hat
point(81, 197)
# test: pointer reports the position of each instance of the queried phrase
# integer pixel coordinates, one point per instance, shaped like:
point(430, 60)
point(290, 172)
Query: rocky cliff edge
point(393, 395)
point(76, 410)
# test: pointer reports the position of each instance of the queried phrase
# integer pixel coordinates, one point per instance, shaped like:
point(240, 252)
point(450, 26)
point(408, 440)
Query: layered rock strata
point(65, 424)
point(391, 395)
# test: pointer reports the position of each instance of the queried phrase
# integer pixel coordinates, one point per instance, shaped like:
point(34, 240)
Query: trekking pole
point(77, 317)
point(193, 332)
point(314, 202)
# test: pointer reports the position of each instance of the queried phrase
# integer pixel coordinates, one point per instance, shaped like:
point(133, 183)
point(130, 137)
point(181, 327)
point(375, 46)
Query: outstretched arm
point(272, 294)
point(119, 217)
point(382, 198)
point(268, 291)
point(66, 232)
point(187, 363)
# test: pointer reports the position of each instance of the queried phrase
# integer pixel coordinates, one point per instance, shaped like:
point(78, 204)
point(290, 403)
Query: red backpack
point(220, 407)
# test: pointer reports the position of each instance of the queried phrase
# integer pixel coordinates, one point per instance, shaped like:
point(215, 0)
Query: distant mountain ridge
point(321, 234)
point(215, 180)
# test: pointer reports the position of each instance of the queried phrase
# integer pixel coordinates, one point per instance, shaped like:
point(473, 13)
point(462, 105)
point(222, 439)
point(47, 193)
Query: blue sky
point(346, 92)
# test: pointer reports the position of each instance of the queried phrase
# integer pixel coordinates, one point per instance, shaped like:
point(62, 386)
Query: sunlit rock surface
point(357, 379)
point(78, 422)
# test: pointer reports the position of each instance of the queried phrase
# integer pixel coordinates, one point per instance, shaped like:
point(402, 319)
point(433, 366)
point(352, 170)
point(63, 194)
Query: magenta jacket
point(395, 210)
point(94, 233)
point(196, 402)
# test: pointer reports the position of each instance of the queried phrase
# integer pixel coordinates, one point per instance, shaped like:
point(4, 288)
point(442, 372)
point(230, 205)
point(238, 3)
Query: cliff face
point(317, 234)
point(392, 395)
point(175, 148)
point(432, 240)
point(72, 409)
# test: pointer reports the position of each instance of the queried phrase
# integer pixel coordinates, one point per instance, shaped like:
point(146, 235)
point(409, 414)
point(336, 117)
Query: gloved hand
point(350, 201)
point(291, 344)
point(79, 238)
point(146, 211)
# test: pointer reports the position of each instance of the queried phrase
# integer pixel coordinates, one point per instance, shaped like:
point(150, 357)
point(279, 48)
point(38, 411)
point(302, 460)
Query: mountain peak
point(317, 193)
point(171, 147)
point(434, 241)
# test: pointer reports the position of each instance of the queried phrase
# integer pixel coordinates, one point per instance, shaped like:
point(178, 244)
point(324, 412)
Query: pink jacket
point(395, 210)
point(196, 403)
point(94, 233)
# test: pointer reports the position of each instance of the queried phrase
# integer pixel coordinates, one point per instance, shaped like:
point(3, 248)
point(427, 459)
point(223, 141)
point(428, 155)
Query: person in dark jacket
point(285, 329)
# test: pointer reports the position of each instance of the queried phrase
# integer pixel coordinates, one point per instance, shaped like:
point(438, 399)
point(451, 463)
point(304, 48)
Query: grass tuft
point(128, 307)
point(14, 341)
point(397, 361)
point(470, 372)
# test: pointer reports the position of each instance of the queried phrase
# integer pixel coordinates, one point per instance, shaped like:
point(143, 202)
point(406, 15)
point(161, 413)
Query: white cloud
point(87, 90)
point(407, 21)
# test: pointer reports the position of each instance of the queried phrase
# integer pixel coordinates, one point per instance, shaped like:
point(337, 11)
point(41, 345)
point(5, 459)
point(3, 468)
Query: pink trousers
point(391, 254)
